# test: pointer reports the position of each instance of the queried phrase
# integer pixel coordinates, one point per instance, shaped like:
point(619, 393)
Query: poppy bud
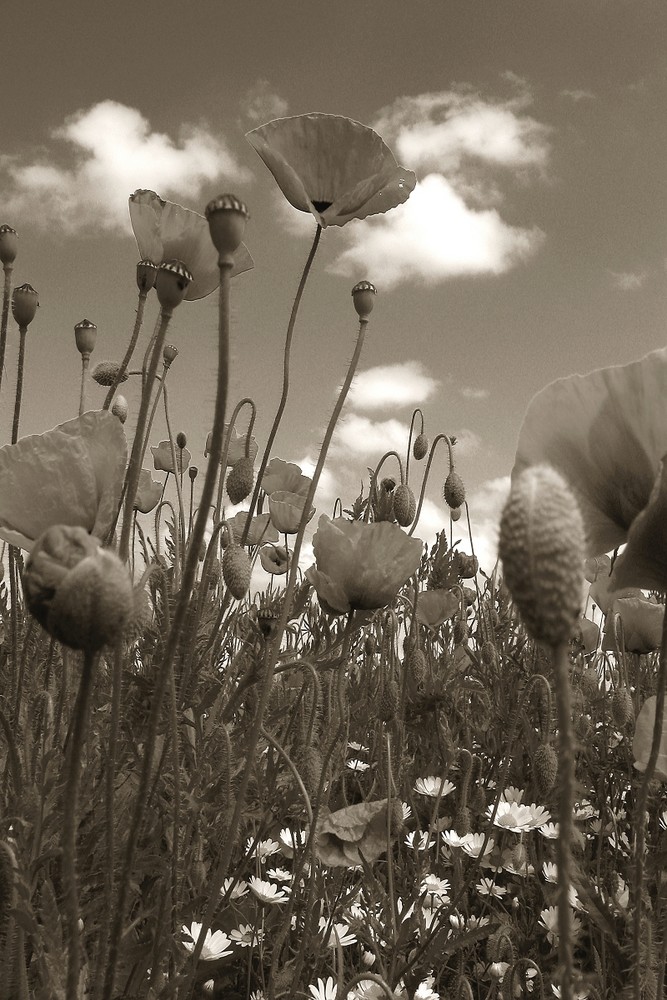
point(227, 218)
point(541, 545)
point(146, 275)
point(80, 593)
point(8, 244)
point(193, 472)
point(85, 334)
point(363, 296)
point(405, 505)
point(119, 408)
point(420, 447)
point(24, 304)
point(240, 480)
point(455, 514)
point(454, 491)
point(236, 570)
point(181, 440)
point(171, 283)
point(169, 354)
point(105, 373)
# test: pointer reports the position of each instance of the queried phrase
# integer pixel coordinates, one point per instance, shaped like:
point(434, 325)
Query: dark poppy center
point(322, 206)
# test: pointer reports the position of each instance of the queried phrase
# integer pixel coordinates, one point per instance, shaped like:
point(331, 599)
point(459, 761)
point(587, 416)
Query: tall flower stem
point(283, 398)
point(565, 822)
point(70, 810)
point(640, 811)
point(271, 656)
point(8, 268)
point(23, 330)
point(440, 437)
point(173, 639)
point(130, 350)
point(85, 364)
point(134, 467)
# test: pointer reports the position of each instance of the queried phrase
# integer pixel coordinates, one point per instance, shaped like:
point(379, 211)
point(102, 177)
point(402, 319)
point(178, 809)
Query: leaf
point(643, 738)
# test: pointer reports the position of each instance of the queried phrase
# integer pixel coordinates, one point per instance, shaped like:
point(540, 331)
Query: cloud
point(468, 392)
point(261, 104)
point(627, 281)
point(435, 235)
point(405, 384)
point(486, 504)
point(106, 152)
point(357, 435)
point(578, 95)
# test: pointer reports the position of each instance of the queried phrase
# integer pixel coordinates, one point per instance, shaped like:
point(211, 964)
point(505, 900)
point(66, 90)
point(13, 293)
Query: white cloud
point(467, 442)
point(469, 392)
point(435, 235)
point(357, 435)
point(486, 504)
point(627, 281)
point(578, 95)
point(405, 384)
point(109, 150)
point(261, 104)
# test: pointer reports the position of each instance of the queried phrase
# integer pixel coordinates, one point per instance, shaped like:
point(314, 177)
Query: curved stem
point(130, 351)
point(283, 398)
point(8, 268)
point(439, 437)
point(70, 809)
point(19, 383)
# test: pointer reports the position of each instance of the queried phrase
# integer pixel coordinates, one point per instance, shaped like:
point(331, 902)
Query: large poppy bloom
point(606, 433)
point(331, 166)
point(71, 475)
point(642, 624)
point(361, 566)
point(166, 231)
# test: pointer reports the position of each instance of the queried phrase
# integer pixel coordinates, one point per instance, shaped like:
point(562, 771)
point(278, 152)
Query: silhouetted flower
point(162, 460)
point(606, 433)
point(334, 167)
point(359, 565)
point(164, 230)
point(285, 477)
point(148, 493)
point(71, 475)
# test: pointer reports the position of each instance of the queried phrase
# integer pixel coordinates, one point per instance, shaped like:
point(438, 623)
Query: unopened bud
point(119, 408)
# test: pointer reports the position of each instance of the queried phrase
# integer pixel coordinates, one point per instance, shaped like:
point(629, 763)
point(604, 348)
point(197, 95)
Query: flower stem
point(73, 767)
point(23, 330)
point(565, 823)
point(283, 398)
point(85, 364)
point(130, 350)
point(8, 268)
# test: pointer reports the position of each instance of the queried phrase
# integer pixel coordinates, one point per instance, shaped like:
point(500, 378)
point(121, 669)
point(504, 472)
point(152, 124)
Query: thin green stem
point(283, 398)
point(565, 816)
point(23, 330)
point(85, 364)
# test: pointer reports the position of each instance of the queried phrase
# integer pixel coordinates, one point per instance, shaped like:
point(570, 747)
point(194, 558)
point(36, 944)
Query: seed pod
point(227, 218)
point(545, 765)
point(622, 709)
point(541, 545)
point(420, 447)
point(454, 491)
point(236, 570)
point(489, 654)
point(590, 684)
point(405, 505)
point(240, 480)
point(460, 631)
point(389, 701)
point(417, 665)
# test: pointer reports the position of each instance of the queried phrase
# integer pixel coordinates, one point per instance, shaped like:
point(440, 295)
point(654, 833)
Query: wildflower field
point(393, 773)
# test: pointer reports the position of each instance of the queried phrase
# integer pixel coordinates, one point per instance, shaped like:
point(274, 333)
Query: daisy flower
point(549, 830)
point(263, 848)
point(357, 747)
point(419, 840)
point(324, 990)
point(549, 921)
point(267, 892)
point(291, 840)
point(452, 839)
point(472, 844)
point(436, 889)
point(246, 936)
point(433, 787)
point(216, 943)
point(487, 887)
point(550, 871)
point(238, 889)
point(279, 874)
point(517, 817)
point(358, 765)
point(512, 795)
point(338, 934)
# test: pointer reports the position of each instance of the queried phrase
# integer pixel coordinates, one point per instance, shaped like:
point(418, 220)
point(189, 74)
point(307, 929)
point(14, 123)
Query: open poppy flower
point(606, 433)
point(261, 530)
point(162, 460)
point(166, 231)
point(361, 566)
point(71, 475)
point(643, 738)
point(236, 450)
point(642, 624)
point(286, 477)
point(334, 167)
point(286, 511)
point(148, 493)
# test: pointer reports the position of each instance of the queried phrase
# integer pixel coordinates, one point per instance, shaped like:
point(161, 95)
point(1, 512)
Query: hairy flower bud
point(240, 480)
point(420, 447)
point(454, 491)
point(236, 570)
point(405, 505)
point(119, 408)
point(80, 593)
point(541, 545)
point(105, 373)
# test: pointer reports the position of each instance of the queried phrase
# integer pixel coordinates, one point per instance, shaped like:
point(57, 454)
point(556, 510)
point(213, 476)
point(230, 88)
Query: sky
point(533, 246)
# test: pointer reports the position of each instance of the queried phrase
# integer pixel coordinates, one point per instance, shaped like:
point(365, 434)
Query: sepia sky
point(534, 245)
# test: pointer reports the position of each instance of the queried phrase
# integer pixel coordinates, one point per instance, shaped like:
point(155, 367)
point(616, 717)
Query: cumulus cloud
point(486, 504)
point(404, 384)
point(468, 149)
point(469, 392)
point(359, 435)
point(435, 235)
point(578, 95)
point(261, 103)
point(627, 281)
point(105, 153)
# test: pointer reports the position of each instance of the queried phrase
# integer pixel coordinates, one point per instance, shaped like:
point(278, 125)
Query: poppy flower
point(148, 493)
point(643, 739)
point(236, 449)
point(286, 511)
point(286, 477)
point(334, 167)
point(359, 565)
point(606, 433)
point(642, 624)
point(261, 529)
point(274, 559)
point(162, 460)
point(166, 231)
point(71, 475)
point(435, 606)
